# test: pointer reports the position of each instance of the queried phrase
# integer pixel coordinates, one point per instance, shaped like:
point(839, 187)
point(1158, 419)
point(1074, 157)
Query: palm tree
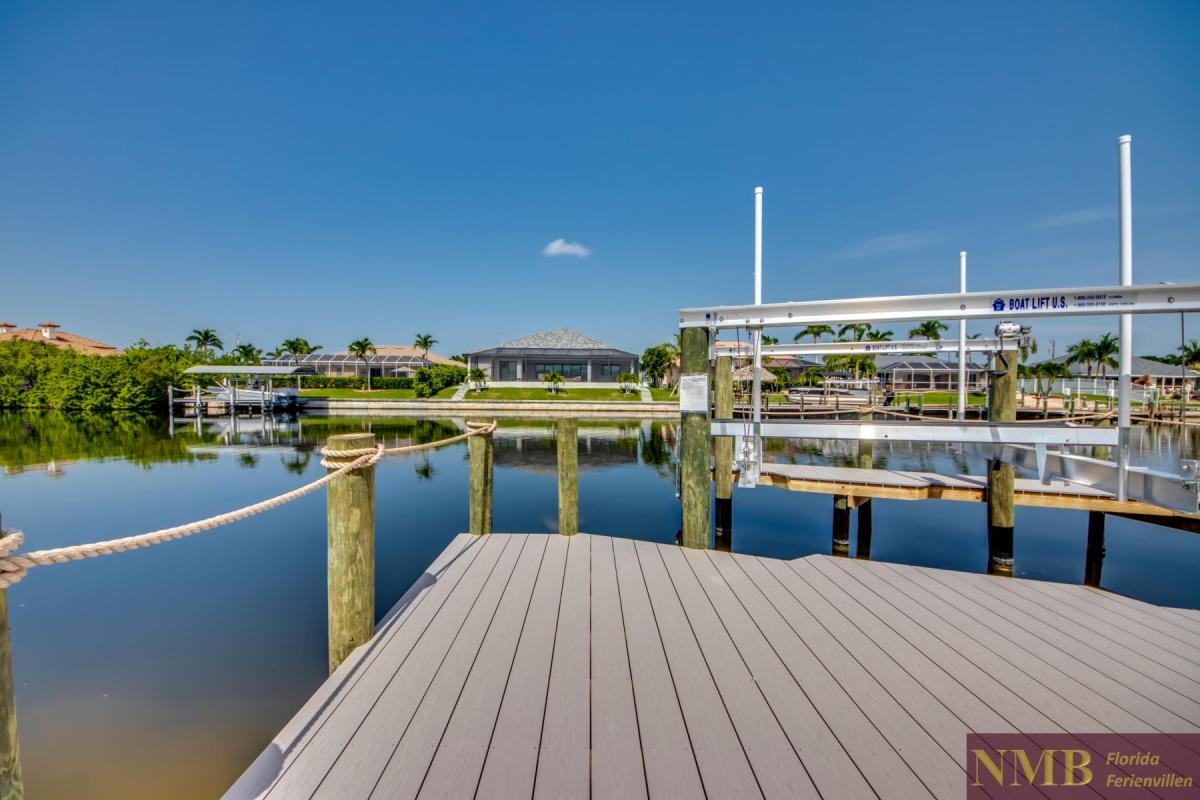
point(247, 353)
point(857, 329)
point(478, 377)
point(298, 347)
point(814, 331)
point(877, 335)
point(1190, 353)
point(1082, 352)
point(423, 342)
point(363, 349)
point(205, 340)
point(929, 329)
point(1105, 349)
point(769, 340)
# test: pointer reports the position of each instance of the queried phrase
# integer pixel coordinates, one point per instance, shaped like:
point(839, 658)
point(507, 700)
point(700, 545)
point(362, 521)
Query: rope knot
point(11, 570)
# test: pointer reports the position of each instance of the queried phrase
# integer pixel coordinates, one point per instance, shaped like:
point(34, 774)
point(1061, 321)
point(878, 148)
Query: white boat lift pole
point(758, 200)
point(962, 340)
point(1124, 385)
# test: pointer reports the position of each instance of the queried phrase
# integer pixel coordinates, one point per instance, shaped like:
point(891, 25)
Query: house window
point(508, 370)
point(568, 371)
point(611, 370)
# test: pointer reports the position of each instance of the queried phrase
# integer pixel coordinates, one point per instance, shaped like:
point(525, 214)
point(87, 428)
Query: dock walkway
point(550, 666)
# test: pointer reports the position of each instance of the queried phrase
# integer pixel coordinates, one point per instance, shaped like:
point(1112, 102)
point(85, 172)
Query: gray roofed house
point(926, 372)
point(574, 355)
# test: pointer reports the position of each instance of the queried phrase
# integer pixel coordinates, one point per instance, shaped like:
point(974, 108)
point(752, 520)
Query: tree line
point(40, 375)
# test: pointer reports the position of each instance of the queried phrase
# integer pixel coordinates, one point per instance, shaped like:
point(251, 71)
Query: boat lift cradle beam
point(1023, 303)
point(872, 348)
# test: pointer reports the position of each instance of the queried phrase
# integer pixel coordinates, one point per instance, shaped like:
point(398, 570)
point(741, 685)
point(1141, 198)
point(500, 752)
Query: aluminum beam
point(885, 348)
point(978, 433)
point(1177, 492)
point(1147, 299)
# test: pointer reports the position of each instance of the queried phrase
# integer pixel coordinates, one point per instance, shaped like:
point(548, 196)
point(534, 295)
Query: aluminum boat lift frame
point(1020, 444)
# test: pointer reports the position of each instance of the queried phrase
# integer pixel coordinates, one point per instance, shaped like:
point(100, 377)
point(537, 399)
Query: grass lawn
point(951, 398)
point(375, 394)
point(663, 394)
point(541, 393)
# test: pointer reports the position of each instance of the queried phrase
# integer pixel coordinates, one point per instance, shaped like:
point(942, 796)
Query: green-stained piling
point(11, 785)
point(351, 526)
point(1002, 407)
point(568, 476)
point(479, 449)
point(695, 436)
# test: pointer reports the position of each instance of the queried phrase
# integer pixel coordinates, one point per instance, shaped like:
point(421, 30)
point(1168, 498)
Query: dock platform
point(539, 665)
point(915, 485)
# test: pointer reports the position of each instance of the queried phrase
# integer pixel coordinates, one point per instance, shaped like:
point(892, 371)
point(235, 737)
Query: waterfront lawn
point(943, 398)
point(586, 395)
point(663, 395)
point(374, 394)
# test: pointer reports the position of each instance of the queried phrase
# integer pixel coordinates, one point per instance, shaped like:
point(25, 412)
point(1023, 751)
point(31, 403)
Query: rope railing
point(14, 566)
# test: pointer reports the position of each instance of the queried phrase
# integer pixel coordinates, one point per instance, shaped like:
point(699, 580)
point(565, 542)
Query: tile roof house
point(575, 356)
point(51, 333)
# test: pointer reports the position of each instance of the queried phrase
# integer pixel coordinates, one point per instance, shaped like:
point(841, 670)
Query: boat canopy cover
point(234, 369)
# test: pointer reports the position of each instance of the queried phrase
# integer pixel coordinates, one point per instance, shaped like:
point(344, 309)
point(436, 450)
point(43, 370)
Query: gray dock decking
point(549, 666)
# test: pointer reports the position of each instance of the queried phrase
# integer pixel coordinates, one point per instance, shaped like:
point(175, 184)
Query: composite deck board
point(339, 719)
point(1129, 692)
point(1129, 626)
point(670, 761)
point(720, 753)
point(822, 755)
point(617, 768)
point(540, 665)
point(935, 767)
point(563, 769)
point(1119, 653)
point(464, 689)
point(776, 762)
point(1027, 677)
point(419, 698)
point(511, 764)
point(458, 761)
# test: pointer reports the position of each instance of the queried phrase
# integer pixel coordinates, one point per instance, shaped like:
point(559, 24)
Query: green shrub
point(350, 382)
point(432, 379)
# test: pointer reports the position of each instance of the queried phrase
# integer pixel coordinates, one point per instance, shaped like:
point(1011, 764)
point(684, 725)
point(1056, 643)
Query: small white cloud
point(561, 247)
point(885, 245)
point(1081, 216)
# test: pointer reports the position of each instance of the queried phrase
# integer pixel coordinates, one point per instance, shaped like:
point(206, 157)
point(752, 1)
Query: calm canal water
point(163, 672)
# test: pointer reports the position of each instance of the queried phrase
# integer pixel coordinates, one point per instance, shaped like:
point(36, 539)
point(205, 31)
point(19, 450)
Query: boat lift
point(1021, 444)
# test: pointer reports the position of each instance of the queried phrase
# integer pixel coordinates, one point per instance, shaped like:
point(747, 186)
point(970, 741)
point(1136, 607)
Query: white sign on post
point(693, 393)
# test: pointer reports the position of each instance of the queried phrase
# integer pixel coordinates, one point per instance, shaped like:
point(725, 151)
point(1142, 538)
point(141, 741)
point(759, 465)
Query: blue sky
point(339, 170)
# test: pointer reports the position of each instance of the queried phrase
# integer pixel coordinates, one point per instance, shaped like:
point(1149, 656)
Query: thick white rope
point(14, 566)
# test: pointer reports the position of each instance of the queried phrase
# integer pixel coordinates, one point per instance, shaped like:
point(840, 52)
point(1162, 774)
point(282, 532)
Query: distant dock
point(558, 666)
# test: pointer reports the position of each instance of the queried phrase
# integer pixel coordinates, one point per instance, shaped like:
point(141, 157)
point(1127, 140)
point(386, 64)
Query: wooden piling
point(841, 525)
point(694, 438)
point(568, 476)
point(723, 447)
point(12, 786)
point(1002, 407)
point(479, 449)
point(1093, 563)
point(351, 576)
point(863, 546)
